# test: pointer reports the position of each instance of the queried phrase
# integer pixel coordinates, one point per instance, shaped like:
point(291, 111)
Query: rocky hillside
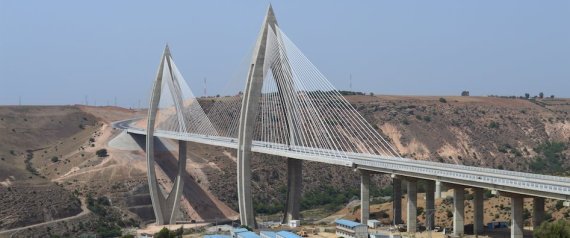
point(27, 196)
point(478, 131)
point(50, 166)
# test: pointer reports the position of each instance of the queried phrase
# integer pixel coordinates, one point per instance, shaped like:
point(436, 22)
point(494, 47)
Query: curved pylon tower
point(165, 208)
point(174, 110)
point(247, 123)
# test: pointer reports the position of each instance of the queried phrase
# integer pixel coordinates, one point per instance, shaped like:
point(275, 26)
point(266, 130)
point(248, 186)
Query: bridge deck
point(502, 180)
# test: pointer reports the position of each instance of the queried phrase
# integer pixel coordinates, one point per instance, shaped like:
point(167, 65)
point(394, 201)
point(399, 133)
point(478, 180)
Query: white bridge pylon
point(288, 104)
point(173, 109)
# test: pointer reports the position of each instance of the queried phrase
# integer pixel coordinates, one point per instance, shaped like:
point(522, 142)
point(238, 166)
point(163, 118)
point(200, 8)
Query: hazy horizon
point(59, 53)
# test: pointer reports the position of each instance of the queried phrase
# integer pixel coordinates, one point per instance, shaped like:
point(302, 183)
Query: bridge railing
point(470, 177)
point(514, 174)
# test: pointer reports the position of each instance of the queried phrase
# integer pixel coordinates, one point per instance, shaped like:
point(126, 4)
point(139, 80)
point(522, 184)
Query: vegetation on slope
point(109, 222)
point(328, 197)
point(560, 229)
point(550, 159)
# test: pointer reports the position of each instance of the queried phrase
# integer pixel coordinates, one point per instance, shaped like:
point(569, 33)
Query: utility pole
point(350, 81)
point(205, 87)
point(86, 100)
point(20, 100)
point(115, 101)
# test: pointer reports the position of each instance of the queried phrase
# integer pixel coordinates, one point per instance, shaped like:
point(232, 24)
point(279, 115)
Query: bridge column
point(294, 186)
point(478, 209)
point(458, 211)
point(517, 216)
point(364, 196)
point(430, 204)
point(397, 201)
point(412, 208)
point(438, 186)
point(538, 211)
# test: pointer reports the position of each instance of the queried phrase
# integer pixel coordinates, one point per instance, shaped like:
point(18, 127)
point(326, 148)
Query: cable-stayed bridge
point(288, 108)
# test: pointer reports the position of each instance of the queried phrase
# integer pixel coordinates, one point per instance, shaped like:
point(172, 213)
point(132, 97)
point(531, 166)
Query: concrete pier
point(438, 187)
point(397, 201)
point(364, 196)
point(458, 211)
point(516, 216)
point(412, 209)
point(478, 209)
point(430, 204)
point(537, 211)
point(294, 186)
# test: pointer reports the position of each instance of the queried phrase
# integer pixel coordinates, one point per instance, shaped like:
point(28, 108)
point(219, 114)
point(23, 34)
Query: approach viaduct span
point(289, 109)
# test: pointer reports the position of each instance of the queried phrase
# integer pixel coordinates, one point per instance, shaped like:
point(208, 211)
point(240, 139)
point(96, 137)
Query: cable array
point(301, 110)
point(178, 109)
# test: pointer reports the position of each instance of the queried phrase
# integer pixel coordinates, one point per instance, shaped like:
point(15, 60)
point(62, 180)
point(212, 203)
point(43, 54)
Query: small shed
point(373, 223)
point(294, 223)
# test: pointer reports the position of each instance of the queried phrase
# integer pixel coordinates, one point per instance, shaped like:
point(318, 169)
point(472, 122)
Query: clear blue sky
point(57, 52)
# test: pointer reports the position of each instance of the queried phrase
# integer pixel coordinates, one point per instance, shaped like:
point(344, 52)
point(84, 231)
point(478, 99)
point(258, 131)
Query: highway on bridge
point(495, 179)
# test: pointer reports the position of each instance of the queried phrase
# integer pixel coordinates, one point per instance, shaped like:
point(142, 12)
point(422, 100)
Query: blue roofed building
point(247, 234)
point(286, 234)
point(236, 231)
point(351, 229)
point(267, 234)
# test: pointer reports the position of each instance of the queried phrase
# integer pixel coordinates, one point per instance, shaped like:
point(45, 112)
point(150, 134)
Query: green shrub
point(442, 100)
point(165, 233)
point(551, 158)
point(559, 229)
point(559, 204)
point(102, 153)
point(420, 210)
point(54, 159)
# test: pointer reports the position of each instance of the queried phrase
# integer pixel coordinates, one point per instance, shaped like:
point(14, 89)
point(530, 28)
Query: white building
point(294, 223)
point(350, 229)
point(373, 223)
